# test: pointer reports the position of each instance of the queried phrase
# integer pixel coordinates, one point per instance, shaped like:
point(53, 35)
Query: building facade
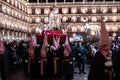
point(20, 17)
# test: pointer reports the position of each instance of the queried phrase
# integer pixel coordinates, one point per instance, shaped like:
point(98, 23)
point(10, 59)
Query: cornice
point(78, 15)
point(78, 4)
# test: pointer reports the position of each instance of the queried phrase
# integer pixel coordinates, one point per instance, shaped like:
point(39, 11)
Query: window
point(42, 0)
point(69, 0)
point(91, 0)
point(78, 0)
point(98, 0)
point(108, 0)
point(60, 0)
point(32, 1)
point(51, 0)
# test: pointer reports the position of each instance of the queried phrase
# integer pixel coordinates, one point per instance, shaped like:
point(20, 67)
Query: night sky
point(67, 0)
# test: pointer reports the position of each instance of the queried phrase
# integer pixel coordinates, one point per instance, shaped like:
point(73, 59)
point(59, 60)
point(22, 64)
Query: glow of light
point(64, 19)
point(29, 10)
point(23, 8)
point(37, 11)
point(92, 33)
point(74, 18)
point(73, 10)
point(84, 10)
point(46, 11)
point(94, 18)
point(94, 10)
point(114, 18)
point(114, 9)
point(19, 6)
point(104, 9)
point(74, 29)
point(46, 19)
point(114, 34)
point(74, 34)
point(8, 1)
point(12, 2)
point(64, 10)
point(38, 20)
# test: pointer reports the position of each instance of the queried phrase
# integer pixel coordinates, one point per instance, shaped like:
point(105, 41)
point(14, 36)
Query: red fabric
point(67, 48)
point(43, 49)
point(31, 53)
point(53, 32)
point(50, 33)
point(32, 44)
point(2, 48)
point(104, 37)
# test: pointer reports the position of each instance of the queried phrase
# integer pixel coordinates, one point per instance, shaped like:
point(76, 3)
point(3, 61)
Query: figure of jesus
point(54, 19)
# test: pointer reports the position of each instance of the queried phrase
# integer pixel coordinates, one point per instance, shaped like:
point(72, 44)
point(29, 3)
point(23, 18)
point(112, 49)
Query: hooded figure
point(56, 42)
point(98, 69)
point(104, 36)
point(2, 48)
point(31, 52)
point(43, 54)
point(44, 46)
point(67, 48)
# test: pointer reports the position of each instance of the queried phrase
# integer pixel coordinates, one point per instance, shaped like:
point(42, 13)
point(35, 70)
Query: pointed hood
point(2, 48)
point(67, 48)
point(104, 36)
point(43, 49)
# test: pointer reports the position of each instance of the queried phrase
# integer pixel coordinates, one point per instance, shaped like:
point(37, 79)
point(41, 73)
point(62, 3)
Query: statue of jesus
point(54, 19)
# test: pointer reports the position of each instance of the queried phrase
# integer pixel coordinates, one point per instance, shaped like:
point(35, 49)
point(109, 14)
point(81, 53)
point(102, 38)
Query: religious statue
point(54, 19)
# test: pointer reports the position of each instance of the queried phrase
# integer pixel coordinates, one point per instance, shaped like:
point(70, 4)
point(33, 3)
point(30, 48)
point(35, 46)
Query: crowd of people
point(104, 60)
point(14, 54)
point(82, 53)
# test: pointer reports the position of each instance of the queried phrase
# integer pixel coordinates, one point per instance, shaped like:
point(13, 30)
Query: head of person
point(104, 49)
point(79, 42)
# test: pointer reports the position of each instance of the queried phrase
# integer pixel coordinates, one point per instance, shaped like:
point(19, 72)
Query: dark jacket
point(117, 65)
point(97, 70)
